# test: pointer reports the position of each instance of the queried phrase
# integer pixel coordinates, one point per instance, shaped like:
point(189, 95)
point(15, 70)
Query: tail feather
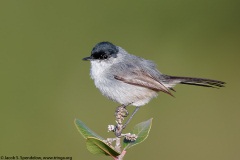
point(173, 80)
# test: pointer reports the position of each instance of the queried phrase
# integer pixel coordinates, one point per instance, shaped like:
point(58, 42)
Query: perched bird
point(132, 80)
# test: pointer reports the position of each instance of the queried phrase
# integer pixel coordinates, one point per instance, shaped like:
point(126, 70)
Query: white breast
point(116, 90)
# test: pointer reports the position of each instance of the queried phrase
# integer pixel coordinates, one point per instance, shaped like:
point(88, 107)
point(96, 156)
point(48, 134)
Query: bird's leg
point(120, 113)
point(134, 112)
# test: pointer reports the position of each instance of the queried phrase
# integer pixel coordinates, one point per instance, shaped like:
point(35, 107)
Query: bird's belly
point(124, 93)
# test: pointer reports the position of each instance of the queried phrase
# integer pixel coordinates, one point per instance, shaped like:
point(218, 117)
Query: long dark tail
point(173, 80)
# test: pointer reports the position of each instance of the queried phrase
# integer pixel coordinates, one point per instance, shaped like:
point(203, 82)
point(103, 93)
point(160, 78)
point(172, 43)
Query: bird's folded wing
point(144, 80)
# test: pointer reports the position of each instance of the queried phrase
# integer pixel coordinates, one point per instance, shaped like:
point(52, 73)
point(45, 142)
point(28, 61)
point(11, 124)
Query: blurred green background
point(45, 85)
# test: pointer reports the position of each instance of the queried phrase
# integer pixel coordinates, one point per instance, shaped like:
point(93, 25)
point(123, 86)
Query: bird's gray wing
point(140, 75)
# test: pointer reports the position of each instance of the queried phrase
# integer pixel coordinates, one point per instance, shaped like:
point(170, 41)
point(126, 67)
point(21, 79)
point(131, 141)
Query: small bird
point(132, 80)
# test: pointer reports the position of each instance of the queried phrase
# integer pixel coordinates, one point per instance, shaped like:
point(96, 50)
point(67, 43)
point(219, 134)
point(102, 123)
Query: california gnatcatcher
point(132, 80)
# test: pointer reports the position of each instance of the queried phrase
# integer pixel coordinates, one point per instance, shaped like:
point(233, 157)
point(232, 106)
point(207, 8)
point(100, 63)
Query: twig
point(120, 113)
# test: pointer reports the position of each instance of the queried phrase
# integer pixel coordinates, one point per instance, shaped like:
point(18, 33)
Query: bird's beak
point(87, 59)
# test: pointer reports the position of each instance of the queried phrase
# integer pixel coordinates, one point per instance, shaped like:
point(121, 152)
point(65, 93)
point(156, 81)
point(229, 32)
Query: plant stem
point(118, 144)
point(120, 157)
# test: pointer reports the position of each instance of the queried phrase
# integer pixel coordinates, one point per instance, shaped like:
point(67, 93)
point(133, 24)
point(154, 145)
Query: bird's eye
point(105, 56)
point(100, 55)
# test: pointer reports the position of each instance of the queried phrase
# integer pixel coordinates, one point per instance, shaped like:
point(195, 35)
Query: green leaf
point(97, 146)
point(84, 130)
point(141, 130)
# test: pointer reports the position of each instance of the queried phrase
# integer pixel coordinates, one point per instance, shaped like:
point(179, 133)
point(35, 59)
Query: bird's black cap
point(103, 50)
